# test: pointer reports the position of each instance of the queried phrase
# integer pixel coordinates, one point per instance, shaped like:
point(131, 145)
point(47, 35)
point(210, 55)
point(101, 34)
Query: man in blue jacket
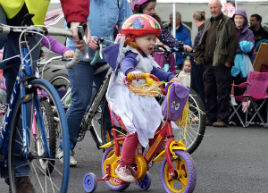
point(103, 18)
point(182, 34)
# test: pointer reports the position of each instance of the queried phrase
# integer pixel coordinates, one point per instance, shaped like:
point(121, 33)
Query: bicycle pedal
point(117, 181)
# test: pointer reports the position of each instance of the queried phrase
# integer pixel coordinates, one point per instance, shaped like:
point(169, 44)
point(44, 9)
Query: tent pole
point(174, 19)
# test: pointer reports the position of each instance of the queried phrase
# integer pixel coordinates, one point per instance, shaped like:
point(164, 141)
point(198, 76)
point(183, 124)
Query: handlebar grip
point(145, 76)
point(130, 76)
point(75, 60)
point(58, 31)
point(5, 29)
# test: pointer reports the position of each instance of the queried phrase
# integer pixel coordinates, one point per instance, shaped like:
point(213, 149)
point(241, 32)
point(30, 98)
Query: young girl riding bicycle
point(141, 115)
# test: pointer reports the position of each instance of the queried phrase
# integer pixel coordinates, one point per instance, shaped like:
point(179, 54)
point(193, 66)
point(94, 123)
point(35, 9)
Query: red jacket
point(75, 10)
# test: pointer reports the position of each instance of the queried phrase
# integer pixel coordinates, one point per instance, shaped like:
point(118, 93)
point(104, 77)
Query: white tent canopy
point(206, 1)
point(187, 1)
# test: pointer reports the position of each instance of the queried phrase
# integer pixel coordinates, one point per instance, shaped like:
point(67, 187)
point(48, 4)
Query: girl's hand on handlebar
point(93, 43)
point(175, 80)
point(135, 74)
point(69, 54)
point(187, 48)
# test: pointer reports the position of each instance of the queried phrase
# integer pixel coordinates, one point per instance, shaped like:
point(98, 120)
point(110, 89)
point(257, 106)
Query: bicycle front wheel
point(36, 157)
point(185, 174)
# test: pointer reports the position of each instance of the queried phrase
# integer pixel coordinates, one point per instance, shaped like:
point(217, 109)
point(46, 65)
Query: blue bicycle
point(26, 138)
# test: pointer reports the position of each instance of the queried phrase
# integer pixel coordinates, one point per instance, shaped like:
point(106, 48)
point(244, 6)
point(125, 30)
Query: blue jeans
point(2, 21)
point(81, 81)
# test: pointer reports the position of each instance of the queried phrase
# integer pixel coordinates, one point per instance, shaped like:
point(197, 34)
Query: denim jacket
point(104, 16)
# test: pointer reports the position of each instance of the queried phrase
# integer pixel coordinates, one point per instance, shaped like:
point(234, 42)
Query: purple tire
point(113, 187)
point(145, 183)
point(185, 171)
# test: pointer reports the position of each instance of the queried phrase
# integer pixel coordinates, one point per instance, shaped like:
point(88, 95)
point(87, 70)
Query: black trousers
point(197, 80)
point(217, 86)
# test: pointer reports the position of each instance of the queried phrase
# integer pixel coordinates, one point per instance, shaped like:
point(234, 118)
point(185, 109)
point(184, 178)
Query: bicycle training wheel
point(196, 124)
point(37, 158)
point(185, 174)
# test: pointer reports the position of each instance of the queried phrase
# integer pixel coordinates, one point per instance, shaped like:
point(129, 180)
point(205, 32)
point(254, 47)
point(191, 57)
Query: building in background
point(188, 7)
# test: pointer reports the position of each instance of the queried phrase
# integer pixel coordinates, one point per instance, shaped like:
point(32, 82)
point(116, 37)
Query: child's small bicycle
point(178, 173)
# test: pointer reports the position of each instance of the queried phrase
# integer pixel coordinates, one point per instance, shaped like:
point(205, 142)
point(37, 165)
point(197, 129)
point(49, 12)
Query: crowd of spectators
point(224, 49)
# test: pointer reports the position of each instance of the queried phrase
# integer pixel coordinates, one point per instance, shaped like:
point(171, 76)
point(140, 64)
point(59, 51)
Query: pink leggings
point(128, 150)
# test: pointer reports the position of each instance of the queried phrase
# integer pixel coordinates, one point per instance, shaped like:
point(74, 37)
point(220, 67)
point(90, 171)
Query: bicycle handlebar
point(77, 54)
point(50, 31)
point(166, 49)
point(149, 78)
point(98, 53)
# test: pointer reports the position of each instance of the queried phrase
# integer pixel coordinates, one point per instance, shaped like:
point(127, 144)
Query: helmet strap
point(130, 37)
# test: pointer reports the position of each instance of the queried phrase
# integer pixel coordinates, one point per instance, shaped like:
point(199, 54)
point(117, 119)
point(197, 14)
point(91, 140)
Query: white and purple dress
point(141, 114)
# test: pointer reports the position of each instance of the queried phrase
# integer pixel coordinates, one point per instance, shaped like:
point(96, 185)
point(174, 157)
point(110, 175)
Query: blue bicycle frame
point(25, 73)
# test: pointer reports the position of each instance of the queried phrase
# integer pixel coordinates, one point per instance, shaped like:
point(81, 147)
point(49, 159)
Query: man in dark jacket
point(259, 32)
point(216, 50)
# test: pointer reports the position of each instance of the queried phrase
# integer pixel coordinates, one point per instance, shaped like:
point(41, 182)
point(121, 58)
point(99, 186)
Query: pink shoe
point(125, 173)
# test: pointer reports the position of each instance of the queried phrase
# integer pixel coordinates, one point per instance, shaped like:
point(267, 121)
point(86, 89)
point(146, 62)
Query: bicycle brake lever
point(101, 40)
point(86, 56)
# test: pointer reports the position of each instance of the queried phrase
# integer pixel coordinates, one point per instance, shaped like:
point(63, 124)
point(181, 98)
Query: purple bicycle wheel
point(185, 174)
point(145, 183)
point(110, 183)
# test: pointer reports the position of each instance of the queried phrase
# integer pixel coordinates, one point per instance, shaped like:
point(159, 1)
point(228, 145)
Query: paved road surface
point(229, 160)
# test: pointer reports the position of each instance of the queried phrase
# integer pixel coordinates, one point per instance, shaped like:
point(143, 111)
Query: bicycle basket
point(175, 101)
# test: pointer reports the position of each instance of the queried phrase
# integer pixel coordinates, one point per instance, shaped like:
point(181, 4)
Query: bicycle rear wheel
point(196, 124)
point(61, 83)
point(40, 163)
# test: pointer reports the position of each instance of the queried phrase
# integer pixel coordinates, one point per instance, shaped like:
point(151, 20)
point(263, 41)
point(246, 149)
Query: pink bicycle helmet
point(140, 24)
point(133, 3)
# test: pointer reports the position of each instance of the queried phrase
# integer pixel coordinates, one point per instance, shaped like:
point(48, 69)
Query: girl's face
point(239, 21)
point(146, 43)
point(187, 66)
point(149, 9)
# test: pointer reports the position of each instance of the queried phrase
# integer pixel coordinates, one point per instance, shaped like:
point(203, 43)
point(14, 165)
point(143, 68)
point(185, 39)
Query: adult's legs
point(197, 80)
point(81, 80)
point(210, 93)
point(223, 81)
